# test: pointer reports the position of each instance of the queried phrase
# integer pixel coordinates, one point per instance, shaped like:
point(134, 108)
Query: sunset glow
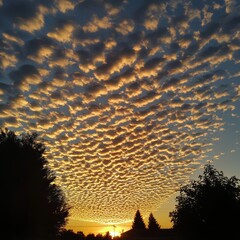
point(115, 234)
point(130, 97)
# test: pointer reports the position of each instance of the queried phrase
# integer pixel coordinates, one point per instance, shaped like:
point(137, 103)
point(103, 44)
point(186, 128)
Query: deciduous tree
point(208, 208)
point(32, 205)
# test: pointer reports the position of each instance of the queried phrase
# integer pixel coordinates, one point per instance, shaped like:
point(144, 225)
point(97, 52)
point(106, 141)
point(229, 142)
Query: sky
point(130, 97)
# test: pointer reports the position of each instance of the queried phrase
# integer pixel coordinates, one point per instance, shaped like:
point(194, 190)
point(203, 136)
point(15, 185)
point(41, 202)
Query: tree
point(153, 226)
point(71, 235)
point(138, 223)
point(32, 206)
point(208, 208)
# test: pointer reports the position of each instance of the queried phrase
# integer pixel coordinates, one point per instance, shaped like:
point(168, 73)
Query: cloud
point(18, 102)
point(62, 33)
point(115, 83)
point(25, 15)
point(89, 59)
point(97, 23)
point(35, 23)
point(7, 60)
point(126, 94)
point(24, 77)
point(120, 59)
point(96, 90)
point(151, 20)
point(62, 58)
point(113, 8)
point(231, 6)
point(151, 24)
point(125, 27)
point(151, 67)
point(64, 5)
point(207, 16)
point(40, 49)
point(12, 38)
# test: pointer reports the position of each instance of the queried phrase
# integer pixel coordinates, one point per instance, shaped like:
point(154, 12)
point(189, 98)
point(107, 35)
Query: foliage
point(32, 206)
point(138, 223)
point(208, 208)
point(153, 226)
point(70, 235)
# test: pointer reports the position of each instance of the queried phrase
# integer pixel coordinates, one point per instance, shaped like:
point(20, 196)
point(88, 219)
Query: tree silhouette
point(153, 226)
point(32, 206)
point(71, 235)
point(138, 223)
point(208, 208)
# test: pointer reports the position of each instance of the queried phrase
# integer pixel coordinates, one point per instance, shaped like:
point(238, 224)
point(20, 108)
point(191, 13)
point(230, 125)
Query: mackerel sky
point(130, 97)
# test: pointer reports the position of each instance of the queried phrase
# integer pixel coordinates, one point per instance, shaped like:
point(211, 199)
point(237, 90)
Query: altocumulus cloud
point(127, 94)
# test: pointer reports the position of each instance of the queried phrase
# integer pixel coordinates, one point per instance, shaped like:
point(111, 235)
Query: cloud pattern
point(128, 95)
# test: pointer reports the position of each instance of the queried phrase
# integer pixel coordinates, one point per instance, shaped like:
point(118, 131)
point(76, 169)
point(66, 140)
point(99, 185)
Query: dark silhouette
point(90, 236)
point(138, 230)
point(153, 226)
point(70, 235)
point(138, 223)
point(32, 206)
point(208, 208)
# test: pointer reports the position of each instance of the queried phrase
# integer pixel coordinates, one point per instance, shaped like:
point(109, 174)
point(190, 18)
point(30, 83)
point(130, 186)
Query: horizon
point(132, 98)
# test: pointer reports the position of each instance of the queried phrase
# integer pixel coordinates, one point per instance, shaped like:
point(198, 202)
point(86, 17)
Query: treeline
point(139, 229)
point(71, 235)
point(33, 207)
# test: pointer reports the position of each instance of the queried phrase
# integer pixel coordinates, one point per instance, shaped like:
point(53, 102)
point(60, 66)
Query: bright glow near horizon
point(129, 96)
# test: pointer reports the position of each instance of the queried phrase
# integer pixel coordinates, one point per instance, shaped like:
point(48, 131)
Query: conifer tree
point(153, 225)
point(138, 223)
